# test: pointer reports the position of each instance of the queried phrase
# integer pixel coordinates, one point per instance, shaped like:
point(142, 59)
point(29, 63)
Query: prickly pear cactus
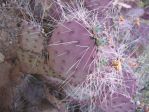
point(146, 14)
point(119, 103)
point(76, 54)
point(143, 93)
point(54, 10)
point(94, 48)
point(32, 39)
point(31, 56)
point(32, 63)
point(96, 4)
point(72, 51)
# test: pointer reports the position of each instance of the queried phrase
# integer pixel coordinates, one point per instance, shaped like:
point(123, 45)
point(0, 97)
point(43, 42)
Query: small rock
point(146, 108)
point(2, 57)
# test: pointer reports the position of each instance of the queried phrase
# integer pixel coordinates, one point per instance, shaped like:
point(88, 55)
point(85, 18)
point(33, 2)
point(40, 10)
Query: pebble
point(2, 57)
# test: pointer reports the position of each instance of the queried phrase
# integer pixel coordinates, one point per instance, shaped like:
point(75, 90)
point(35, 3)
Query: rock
point(2, 57)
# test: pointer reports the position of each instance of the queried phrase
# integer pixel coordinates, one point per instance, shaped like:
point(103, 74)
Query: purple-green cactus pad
point(96, 4)
point(146, 14)
point(31, 37)
point(72, 51)
point(118, 103)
